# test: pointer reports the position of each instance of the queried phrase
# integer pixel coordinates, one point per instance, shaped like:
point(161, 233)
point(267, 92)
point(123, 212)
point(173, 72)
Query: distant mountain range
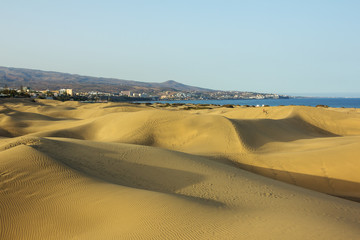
point(42, 80)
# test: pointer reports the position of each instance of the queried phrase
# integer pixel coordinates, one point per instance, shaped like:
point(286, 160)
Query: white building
point(126, 93)
point(66, 92)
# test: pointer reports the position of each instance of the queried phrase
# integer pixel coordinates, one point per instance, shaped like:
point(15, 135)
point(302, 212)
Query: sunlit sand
point(126, 171)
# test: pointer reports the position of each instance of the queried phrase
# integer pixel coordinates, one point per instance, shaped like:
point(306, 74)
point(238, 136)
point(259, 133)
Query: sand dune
point(125, 171)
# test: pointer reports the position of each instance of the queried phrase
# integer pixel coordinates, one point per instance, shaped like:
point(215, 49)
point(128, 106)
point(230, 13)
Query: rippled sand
point(126, 171)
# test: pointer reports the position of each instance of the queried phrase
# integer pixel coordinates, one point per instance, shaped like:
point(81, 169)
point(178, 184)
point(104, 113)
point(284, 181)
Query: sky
point(279, 46)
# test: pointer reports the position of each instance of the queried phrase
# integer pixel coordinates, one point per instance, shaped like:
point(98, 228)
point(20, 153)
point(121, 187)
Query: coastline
point(331, 102)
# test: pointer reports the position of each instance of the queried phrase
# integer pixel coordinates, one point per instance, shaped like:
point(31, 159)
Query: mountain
point(171, 84)
point(42, 80)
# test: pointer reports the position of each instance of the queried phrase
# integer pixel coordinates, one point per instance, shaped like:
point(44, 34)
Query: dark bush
point(228, 106)
point(177, 104)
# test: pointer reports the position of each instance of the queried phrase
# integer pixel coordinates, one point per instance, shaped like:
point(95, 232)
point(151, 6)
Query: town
point(97, 96)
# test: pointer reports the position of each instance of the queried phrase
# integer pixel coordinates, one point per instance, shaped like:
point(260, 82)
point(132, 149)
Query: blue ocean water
point(331, 102)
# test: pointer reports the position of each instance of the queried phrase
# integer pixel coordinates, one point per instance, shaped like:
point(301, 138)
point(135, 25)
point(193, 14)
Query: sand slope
point(123, 171)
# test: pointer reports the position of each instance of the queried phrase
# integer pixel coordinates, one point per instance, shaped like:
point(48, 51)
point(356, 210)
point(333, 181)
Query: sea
point(331, 102)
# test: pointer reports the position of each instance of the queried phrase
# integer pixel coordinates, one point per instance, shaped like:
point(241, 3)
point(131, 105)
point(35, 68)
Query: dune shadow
point(34, 116)
point(65, 133)
point(109, 168)
point(5, 133)
point(255, 133)
point(336, 187)
point(29, 115)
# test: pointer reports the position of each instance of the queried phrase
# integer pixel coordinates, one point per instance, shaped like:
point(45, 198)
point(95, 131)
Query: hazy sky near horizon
point(265, 46)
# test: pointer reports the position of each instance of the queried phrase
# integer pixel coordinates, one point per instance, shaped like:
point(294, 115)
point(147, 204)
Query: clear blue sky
point(265, 46)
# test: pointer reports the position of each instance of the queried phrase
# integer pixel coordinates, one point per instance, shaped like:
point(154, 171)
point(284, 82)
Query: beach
point(71, 170)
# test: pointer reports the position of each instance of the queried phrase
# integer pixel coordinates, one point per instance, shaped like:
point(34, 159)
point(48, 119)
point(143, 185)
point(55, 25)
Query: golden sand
point(125, 171)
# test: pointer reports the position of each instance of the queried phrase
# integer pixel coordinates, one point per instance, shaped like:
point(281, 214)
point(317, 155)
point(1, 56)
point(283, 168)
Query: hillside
point(37, 79)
